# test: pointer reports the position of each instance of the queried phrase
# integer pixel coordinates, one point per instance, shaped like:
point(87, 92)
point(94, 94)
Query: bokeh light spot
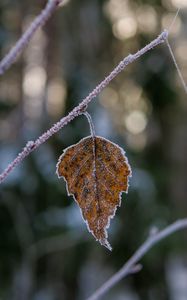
point(124, 28)
point(136, 122)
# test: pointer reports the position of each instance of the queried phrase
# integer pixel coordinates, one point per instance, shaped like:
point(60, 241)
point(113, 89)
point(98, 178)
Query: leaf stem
point(89, 118)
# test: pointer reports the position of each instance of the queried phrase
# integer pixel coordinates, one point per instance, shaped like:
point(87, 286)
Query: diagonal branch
point(40, 20)
point(78, 110)
point(135, 258)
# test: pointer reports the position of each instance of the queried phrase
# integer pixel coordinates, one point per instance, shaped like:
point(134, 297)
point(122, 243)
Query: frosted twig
point(26, 150)
point(78, 110)
point(39, 21)
point(128, 267)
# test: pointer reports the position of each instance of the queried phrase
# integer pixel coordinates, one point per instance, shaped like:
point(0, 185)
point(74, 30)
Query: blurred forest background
point(46, 252)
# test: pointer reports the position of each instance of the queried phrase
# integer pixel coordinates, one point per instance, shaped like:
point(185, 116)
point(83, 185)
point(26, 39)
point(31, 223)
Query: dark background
point(46, 251)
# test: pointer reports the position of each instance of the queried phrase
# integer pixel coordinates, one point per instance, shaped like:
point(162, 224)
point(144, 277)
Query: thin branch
point(172, 54)
point(135, 258)
point(39, 21)
point(174, 19)
point(78, 110)
point(176, 65)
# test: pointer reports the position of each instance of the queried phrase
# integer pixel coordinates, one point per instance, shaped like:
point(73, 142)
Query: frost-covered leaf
point(96, 172)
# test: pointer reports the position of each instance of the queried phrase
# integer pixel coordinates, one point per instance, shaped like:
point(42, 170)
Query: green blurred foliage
point(46, 251)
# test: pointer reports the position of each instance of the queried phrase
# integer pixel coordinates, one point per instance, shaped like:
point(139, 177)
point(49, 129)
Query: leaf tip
point(107, 245)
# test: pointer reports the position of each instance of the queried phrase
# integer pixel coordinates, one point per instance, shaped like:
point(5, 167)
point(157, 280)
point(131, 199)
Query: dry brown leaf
point(96, 172)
